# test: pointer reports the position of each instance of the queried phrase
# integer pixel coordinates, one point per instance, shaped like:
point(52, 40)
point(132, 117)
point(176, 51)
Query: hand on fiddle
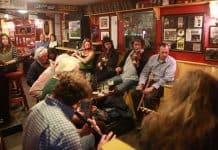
point(139, 87)
point(118, 70)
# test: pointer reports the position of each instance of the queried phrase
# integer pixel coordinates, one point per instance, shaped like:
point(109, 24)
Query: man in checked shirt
point(159, 70)
point(49, 125)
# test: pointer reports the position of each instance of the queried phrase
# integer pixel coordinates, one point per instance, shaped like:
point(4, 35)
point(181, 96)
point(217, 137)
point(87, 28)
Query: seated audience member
point(86, 55)
point(63, 59)
point(52, 41)
point(38, 66)
point(129, 69)
point(42, 42)
point(190, 121)
point(49, 124)
point(52, 54)
point(107, 61)
point(65, 64)
point(159, 69)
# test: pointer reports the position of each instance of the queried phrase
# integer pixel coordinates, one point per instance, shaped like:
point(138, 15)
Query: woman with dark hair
point(52, 41)
point(107, 61)
point(190, 121)
point(8, 59)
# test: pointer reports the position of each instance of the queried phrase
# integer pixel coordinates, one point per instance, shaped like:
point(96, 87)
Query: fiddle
point(136, 57)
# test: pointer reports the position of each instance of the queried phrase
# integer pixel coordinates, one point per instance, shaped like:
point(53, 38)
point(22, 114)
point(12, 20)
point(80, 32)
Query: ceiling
point(69, 2)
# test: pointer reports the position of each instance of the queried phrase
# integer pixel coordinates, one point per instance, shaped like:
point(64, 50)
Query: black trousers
point(151, 100)
point(4, 100)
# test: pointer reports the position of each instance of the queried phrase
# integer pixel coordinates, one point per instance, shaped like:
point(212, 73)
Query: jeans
point(123, 85)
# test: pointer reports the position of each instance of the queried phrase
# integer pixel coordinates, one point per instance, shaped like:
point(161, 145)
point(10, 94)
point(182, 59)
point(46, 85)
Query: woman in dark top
point(107, 61)
point(8, 59)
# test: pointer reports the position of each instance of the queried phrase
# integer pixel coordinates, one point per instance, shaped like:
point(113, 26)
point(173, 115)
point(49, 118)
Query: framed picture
point(170, 34)
point(211, 54)
point(213, 38)
point(104, 22)
point(74, 29)
point(105, 33)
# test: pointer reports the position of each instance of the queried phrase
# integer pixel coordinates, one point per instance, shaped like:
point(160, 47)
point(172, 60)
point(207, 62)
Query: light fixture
point(22, 11)
point(213, 9)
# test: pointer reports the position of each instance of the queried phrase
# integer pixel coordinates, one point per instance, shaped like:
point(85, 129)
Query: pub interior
point(108, 74)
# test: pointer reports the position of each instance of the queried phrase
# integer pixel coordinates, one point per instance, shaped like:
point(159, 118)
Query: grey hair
point(39, 52)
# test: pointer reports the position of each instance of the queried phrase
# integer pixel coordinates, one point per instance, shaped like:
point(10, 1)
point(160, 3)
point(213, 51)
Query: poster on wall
point(74, 29)
point(213, 35)
point(198, 21)
point(170, 34)
point(104, 34)
point(180, 43)
point(104, 22)
point(196, 46)
point(193, 35)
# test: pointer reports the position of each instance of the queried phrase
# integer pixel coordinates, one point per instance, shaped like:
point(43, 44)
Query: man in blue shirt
point(159, 70)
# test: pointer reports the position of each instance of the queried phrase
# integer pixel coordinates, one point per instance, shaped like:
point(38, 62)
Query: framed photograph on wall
point(74, 30)
point(213, 37)
point(104, 22)
point(104, 33)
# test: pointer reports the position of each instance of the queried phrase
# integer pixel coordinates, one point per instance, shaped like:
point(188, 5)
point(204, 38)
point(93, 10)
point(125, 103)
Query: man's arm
point(145, 72)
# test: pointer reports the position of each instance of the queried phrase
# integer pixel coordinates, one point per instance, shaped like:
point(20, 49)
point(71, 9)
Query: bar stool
point(16, 91)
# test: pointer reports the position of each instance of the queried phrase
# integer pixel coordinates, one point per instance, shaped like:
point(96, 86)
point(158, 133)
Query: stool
point(17, 94)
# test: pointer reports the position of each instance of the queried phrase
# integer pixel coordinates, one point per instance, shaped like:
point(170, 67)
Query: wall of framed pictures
point(139, 24)
point(184, 32)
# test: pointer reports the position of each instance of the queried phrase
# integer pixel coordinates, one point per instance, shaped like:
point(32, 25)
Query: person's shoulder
point(172, 59)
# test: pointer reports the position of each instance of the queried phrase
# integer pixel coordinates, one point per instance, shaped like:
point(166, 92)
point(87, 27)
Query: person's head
point(52, 37)
point(72, 88)
point(138, 43)
point(5, 40)
point(163, 51)
point(52, 53)
point(107, 43)
point(190, 120)
point(42, 37)
point(87, 44)
point(65, 63)
point(41, 55)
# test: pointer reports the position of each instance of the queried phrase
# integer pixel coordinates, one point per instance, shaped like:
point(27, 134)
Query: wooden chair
point(16, 90)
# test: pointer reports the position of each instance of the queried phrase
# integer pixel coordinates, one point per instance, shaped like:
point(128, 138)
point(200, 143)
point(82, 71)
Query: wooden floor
point(14, 140)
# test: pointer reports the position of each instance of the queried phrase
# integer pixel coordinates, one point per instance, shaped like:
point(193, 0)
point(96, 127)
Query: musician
point(107, 61)
point(129, 69)
point(160, 69)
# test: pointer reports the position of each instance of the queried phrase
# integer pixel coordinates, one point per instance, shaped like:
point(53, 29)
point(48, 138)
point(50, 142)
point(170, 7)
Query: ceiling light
point(22, 11)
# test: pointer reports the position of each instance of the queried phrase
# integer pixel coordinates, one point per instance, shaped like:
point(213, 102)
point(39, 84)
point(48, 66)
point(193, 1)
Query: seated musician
point(160, 69)
point(130, 67)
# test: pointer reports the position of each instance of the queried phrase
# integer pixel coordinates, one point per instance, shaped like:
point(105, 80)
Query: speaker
point(85, 27)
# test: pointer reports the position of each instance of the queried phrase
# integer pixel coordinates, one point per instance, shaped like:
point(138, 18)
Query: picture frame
point(213, 35)
point(74, 29)
point(170, 34)
point(104, 22)
point(104, 33)
point(211, 54)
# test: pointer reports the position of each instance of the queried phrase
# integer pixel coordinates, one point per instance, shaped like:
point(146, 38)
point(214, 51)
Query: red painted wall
point(187, 56)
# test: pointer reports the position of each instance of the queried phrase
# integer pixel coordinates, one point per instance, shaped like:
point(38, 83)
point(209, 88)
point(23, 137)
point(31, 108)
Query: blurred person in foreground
point(190, 121)
point(49, 125)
